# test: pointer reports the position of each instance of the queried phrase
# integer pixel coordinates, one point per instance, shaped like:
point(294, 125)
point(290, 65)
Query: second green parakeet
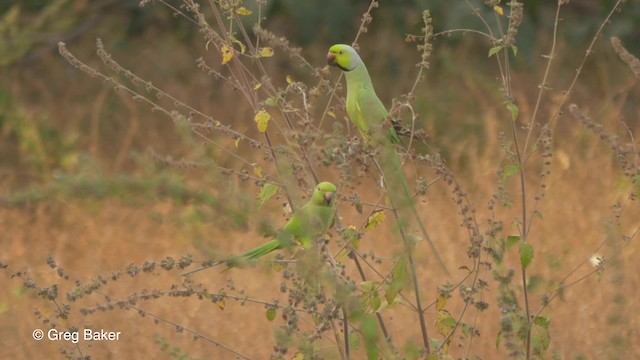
point(311, 221)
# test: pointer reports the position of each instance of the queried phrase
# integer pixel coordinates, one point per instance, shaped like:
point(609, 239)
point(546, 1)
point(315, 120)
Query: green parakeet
point(368, 113)
point(364, 107)
point(309, 222)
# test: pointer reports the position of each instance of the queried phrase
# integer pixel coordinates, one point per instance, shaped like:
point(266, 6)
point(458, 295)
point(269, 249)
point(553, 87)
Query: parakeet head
point(324, 194)
point(343, 56)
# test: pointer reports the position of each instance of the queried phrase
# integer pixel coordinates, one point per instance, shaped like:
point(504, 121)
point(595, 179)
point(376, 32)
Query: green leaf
point(513, 109)
point(515, 50)
point(512, 240)
point(376, 302)
point(267, 191)
point(526, 254)
point(535, 282)
point(272, 101)
point(369, 330)
point(540, 338)
point(368, 286)
point(398, 281)
point(510, 170)
point(399, 277)
point(542, 322)
point(390, 294)
point(537, 214)
point(494, 50)
point(271, 314)
point(354, 340)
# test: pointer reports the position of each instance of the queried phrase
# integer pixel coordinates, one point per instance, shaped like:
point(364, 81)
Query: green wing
point(371, 111)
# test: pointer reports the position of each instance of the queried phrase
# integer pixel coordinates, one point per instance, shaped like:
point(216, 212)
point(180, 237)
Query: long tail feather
point(258, 252)
point(252, 254)
point(204, 267)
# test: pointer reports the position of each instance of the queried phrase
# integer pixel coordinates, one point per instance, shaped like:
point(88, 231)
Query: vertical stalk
point(345, 329)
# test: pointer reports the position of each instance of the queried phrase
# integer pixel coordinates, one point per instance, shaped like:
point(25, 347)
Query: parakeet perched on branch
point(364, 107)
point(368, 113)
point(311, 221)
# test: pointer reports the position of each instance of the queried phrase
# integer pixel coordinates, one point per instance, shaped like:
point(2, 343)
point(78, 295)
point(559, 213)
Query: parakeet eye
point(340, 52)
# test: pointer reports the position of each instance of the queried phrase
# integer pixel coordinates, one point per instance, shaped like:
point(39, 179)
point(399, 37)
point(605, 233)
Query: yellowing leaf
point(289, 79)
point(257, 86)
point(498, 9)
point(265, 52)
point(351, 235)
point(441, 303)
point(374, 220)
point(243, 47)
point(237, 142)
point(227, 54)
point(277, 267)
point(445, 323)
point(243, 11)
point(262, 119)
point(220, 304)
point(258, 171)
point(332, 114)
point(298, 356)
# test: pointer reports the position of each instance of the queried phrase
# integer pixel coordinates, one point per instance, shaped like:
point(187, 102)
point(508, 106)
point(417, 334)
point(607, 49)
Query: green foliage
point(526, 254)
point(267, 191)
point(271, 314)
point(172, 351)
point(334, 299)
point(31, 140)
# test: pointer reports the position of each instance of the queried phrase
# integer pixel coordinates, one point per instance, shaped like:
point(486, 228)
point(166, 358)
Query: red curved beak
point(331, 59)
point(327, 198)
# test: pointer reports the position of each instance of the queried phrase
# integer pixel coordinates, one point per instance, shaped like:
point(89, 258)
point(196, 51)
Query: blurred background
point(77, 181)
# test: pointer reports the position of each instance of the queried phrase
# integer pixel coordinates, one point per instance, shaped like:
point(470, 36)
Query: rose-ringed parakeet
point(311, 221)
point(364, 107)
point(368, 113)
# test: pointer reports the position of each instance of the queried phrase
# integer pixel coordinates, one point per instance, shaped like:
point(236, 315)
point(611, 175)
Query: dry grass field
point(81, 184)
